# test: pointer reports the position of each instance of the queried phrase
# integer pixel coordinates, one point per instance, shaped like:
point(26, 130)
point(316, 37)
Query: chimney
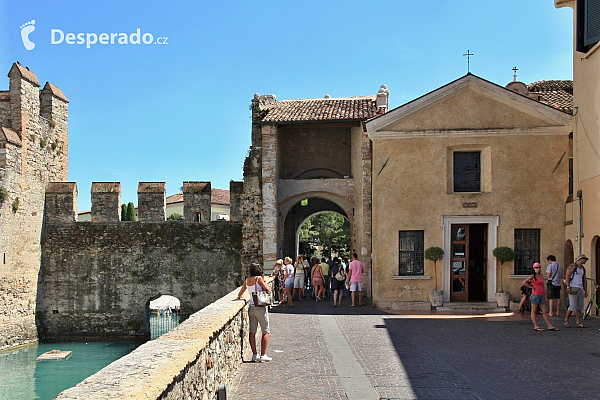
point(383, 96)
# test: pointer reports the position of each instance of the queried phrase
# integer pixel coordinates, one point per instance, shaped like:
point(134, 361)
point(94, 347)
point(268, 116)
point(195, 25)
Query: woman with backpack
point(338, 282)
point(538, 297)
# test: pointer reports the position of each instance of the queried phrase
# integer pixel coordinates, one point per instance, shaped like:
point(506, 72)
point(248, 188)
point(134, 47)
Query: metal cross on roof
point(515, 69)
point(469, 54)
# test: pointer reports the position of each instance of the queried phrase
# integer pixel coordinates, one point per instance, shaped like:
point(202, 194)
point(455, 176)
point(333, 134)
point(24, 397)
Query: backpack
point(575, 270)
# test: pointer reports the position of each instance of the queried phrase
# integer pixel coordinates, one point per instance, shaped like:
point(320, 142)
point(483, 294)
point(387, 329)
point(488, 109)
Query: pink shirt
point(538, 286)
point(356, 271)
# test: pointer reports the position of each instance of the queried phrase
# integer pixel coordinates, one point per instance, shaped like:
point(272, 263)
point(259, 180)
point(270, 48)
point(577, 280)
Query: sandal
point(581, 325)
point(553, 329)
point(538, 329)
point(567, 324)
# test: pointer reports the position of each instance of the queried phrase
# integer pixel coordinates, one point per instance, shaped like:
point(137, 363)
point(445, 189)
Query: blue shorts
point(289, 284)
point(537, 299)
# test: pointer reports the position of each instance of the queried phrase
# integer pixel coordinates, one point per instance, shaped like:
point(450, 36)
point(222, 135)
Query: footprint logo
point(26, 29)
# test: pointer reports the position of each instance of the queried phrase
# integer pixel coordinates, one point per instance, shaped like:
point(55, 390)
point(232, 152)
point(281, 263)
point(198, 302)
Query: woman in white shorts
point(257, 315)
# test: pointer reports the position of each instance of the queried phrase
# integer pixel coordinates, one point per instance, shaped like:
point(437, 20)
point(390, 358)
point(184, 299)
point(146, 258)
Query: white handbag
point(260, 299)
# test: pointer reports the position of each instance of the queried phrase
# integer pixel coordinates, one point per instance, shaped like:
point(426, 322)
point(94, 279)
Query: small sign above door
point(469, 205)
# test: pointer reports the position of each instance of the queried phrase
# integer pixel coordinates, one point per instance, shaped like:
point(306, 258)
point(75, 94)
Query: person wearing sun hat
point(577, 290)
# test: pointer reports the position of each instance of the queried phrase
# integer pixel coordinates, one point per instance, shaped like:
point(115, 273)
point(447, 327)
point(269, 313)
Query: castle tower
point(33, 152)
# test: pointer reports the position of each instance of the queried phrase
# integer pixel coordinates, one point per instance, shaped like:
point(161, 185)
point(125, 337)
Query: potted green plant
point(435, 254)
point(503, 255)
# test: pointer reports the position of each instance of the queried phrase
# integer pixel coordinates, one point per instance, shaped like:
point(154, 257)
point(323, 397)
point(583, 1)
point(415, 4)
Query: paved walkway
point(322, 352)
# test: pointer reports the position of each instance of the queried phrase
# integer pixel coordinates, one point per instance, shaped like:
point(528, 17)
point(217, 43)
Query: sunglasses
point(537, 267)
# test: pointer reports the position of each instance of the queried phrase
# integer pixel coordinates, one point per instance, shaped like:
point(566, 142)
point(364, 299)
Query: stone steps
point(478, 307)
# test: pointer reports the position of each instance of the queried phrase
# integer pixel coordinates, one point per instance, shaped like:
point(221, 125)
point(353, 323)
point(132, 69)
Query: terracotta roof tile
point(544, 86)
point(55, 91)
point(557, 94)
point(217, 196)
point(339, 109)
point(10, 136)
point(25, 74)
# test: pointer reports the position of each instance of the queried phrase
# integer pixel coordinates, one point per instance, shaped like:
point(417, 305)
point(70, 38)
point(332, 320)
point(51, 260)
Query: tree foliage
point(123, 212)
point(175, 217)
point(504, 254)
point(332, 231)
point(130, 215)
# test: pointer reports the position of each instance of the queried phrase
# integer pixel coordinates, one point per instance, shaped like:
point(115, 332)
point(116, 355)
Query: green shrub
point(504, 254)
point(3, 195)
point(434, 254)
point(15, 205)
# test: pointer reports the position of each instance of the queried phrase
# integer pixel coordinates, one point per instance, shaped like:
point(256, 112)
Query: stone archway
point(297, 214)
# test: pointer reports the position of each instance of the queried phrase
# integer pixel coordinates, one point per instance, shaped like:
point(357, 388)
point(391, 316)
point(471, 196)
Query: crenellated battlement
point(61, 201)
point(39, 118)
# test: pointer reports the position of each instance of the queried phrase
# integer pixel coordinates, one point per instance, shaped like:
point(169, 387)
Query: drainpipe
point(580, 197)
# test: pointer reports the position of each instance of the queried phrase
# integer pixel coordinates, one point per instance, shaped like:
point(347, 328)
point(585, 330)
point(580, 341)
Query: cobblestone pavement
point(420, 356)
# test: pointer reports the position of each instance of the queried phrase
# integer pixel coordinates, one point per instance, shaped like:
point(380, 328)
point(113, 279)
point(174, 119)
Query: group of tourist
point(549, 292)
point(290, 281)
point(325, 277)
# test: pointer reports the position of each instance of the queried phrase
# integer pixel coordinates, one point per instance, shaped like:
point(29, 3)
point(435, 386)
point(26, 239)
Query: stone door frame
point(492, 222)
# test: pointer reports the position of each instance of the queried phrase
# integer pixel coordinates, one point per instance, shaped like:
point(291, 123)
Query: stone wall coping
point(61, 187)
point(236, 187)
point(149, 371)
point(196, 187)
point(152, 187)
point(106, 187)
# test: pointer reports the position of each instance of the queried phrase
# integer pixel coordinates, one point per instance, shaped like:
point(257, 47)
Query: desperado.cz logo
point(57, 36)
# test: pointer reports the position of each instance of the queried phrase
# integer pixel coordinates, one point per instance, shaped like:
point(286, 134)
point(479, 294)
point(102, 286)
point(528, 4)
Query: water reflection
point(24, 378)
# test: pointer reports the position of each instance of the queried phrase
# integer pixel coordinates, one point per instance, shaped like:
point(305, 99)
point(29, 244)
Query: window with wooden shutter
point(588, 25)
point(591, 30)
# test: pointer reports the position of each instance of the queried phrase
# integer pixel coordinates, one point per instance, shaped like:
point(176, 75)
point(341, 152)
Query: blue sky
point(178, 111)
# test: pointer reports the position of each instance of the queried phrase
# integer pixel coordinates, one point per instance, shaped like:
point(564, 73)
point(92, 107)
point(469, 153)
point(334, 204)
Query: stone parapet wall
point(190, 362)
point(97, 278)
point(106, 201)
point(196, 201)
point(152, 206)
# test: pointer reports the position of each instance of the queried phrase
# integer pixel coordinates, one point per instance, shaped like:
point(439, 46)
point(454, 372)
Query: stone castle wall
point(33, 151)
point(190, 362)
point(97, 277)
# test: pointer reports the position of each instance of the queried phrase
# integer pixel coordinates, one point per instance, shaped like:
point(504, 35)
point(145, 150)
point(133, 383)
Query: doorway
point(468, 261)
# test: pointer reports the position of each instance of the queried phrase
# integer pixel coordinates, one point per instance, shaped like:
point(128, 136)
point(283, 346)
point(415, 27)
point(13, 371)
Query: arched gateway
point(309, 149)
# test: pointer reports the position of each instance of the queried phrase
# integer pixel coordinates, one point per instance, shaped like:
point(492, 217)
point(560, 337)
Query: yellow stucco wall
point(524, 175)
point(411, 193)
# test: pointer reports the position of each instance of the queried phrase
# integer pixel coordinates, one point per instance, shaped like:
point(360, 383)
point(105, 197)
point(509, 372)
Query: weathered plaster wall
point(97, 277)
point(528, 190)
point(586, 151)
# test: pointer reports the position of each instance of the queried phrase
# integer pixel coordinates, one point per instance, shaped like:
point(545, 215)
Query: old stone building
point(472, 161)
point(308, 149)
point(33, 151)
point(468, 167)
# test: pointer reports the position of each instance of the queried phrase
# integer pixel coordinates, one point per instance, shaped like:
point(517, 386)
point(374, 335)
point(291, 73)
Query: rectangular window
point(411, 253)
point(527, 250)
point(467, 171)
